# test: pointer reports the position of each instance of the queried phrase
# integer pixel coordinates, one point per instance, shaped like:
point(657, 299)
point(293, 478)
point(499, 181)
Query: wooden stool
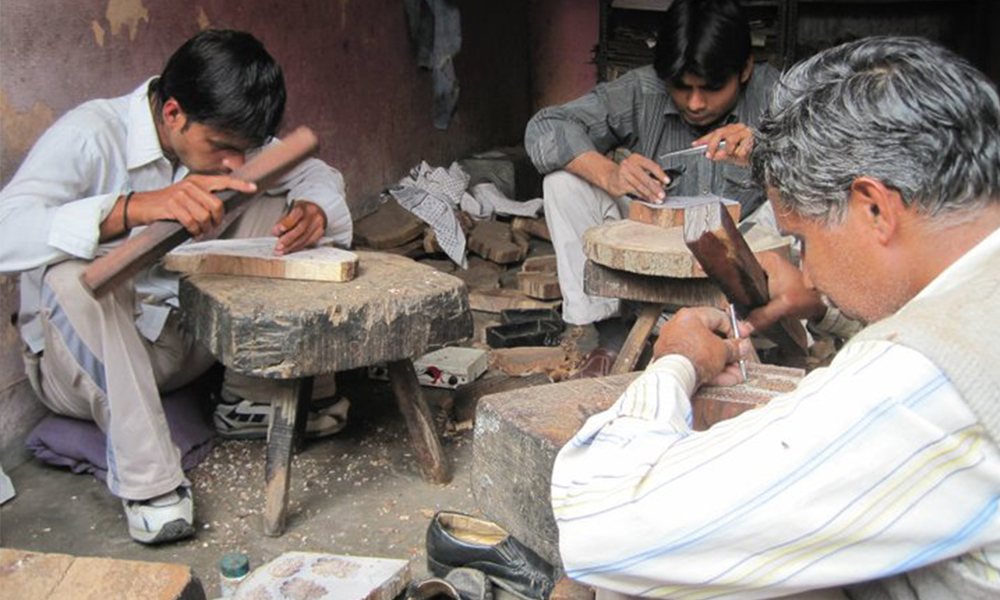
point(394, 310)
point(652, 265)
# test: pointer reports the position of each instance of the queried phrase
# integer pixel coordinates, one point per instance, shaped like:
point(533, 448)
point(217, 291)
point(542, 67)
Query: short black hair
point(225, 79)
point(705, 38)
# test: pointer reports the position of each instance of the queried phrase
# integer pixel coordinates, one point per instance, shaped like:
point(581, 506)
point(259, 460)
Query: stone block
point(518, 434)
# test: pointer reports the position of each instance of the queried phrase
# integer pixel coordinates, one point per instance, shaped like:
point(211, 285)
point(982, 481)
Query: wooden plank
point(423, 437)
point(539, 284)
point(493, 301)
point(724, 255)
point(545, 262)
point(389, 226)
point(495, 241)
point(255, 257)
point(670, 213)
point(534, 227)
point(145, 248)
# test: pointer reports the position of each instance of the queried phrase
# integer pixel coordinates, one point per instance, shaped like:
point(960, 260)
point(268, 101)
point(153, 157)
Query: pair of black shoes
point(456, 540)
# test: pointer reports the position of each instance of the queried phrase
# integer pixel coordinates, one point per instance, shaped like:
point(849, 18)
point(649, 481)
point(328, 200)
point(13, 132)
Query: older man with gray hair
point(879, 476)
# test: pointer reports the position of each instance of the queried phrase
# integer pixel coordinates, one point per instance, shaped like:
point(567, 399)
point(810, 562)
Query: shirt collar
point(143, 145)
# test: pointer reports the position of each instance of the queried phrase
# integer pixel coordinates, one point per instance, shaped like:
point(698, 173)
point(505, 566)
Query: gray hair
point(904, 111)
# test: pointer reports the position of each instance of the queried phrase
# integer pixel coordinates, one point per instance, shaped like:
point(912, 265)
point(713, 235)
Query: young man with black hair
point(108, 168)
point(703, 88)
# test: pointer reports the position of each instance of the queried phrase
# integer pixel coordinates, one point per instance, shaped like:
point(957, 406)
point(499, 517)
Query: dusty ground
point(359, 492)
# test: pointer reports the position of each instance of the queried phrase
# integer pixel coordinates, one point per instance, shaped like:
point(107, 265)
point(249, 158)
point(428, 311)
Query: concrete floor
point(359, 492)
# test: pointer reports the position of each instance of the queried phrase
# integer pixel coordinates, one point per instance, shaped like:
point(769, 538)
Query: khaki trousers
point(96, 366)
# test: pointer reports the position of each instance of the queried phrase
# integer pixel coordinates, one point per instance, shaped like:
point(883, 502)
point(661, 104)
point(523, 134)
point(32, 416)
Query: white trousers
point(572, 205)
point(97, 366)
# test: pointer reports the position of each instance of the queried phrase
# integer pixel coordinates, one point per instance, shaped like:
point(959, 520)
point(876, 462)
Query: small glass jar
point(233, 568)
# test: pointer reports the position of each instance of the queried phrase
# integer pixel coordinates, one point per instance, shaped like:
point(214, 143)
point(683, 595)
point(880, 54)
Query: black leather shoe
point(456, 540)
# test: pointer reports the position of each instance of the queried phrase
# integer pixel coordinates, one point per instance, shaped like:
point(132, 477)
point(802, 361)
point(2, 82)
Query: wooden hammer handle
point(143, 249)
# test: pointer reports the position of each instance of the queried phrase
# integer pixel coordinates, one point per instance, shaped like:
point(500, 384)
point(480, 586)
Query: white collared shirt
point(53, 207)
point(872, 467)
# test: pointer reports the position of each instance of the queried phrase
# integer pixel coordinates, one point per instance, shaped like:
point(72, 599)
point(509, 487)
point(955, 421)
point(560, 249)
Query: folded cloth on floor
point(81, 446)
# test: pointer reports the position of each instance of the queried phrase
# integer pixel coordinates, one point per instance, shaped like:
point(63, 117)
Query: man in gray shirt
point(702, 89)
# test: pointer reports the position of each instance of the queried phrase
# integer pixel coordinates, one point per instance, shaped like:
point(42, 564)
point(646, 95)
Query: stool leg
point(280, 441)
point(423, 437)
point(636, 339)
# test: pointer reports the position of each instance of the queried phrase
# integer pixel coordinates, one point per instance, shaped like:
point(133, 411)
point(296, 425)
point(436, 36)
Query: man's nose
point(696, 101)
point(233, 161)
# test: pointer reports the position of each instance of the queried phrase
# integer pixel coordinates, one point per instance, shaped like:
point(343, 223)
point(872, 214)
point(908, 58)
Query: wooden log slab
point(670, 292)
point(726, 256)
point(650, 250)
point(255, 257)
point(394, 309)
point(518, 434)
point(670, 213)
point(539, 284)
point(533, 227)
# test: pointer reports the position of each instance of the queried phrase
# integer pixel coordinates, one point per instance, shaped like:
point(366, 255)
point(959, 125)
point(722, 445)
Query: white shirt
point(53, 207)
point(872, 467)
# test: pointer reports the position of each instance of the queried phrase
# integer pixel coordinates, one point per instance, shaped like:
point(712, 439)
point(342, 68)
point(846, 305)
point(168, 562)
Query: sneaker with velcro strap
point(244, 419)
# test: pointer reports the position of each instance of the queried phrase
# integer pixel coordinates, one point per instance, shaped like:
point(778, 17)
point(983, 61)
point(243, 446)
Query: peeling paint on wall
point(98, 33)
point(20, 129)
point(203, 20)
point(126, 13)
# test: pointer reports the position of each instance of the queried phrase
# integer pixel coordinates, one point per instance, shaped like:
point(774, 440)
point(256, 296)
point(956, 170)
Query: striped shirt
point(636, 113)
point(871, 468)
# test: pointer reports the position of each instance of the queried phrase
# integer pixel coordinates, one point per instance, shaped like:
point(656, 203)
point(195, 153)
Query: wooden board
point(255, 257)
point(539, 284)
point(389, 226)
point(651, 250)
point(496, 241)
point(535, 227)
point(493, 301)
point(671, 212)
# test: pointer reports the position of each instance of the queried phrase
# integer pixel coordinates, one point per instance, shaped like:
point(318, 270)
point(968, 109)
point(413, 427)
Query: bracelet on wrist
point(125, 211)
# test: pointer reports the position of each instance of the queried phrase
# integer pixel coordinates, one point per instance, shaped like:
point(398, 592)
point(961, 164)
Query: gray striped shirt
point(636, 113)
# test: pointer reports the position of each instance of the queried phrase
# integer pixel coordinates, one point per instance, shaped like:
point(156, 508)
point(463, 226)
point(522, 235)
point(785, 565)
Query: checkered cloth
point(434, 194)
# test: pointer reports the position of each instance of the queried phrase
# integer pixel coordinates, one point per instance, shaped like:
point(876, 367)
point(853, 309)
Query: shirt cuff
point(76, 227)
point(680, 367)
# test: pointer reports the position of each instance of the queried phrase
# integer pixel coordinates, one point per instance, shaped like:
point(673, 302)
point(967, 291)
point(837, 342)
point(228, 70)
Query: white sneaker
point(244, 419)
point(165, 518)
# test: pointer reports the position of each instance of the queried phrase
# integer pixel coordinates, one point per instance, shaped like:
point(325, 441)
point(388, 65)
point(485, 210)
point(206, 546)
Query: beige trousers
point(572, 206)
point(96, 366)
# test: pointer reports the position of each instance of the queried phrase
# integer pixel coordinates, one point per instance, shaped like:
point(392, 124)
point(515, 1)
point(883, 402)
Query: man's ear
point(878, 207)
point(747, 71)
point(173, 115)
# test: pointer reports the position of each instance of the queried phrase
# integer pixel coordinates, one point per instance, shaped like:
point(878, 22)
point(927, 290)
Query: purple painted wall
point(564, 34)
point(348, 64)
